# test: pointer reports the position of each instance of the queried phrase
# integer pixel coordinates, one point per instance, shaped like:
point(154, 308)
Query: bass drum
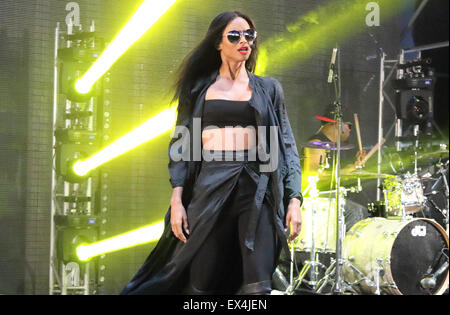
point(397, 252)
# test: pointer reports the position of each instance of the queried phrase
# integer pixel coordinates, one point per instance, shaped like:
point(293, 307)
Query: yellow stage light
point(152, 128)
point(137, 237)
point(336, 22)
point(146, 15)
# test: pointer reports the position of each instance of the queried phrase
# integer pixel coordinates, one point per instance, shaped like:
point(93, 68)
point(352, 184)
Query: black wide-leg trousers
point(223, 251)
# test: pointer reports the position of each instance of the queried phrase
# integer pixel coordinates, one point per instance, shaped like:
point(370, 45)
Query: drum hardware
point(442, 171)
point(330, 273)
point(314, 274)
point(436, 194)
point(312, 264)
point(378, 272)
point(428, 281)
point(442, 211)
point(326, 279)
point(416, 147)
point(378, 209)
point(396, 163)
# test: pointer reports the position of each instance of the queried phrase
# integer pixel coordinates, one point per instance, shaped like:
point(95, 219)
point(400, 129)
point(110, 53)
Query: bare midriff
point(229, 138)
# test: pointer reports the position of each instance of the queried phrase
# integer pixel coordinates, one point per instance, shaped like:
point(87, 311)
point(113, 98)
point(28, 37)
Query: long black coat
point(161, 273)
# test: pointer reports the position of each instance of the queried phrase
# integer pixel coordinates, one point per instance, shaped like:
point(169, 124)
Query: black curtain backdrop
point(432, 27)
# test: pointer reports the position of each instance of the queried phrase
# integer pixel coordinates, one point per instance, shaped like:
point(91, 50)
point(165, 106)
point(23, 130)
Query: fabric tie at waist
point(247, 156)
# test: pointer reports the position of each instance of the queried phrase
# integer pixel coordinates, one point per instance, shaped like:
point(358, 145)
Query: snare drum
point(397, 252)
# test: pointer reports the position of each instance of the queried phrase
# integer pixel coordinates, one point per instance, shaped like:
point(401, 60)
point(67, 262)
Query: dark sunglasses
point(235, 36)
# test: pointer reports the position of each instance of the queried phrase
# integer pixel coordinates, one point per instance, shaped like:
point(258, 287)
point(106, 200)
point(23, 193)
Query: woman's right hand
point(178, 220)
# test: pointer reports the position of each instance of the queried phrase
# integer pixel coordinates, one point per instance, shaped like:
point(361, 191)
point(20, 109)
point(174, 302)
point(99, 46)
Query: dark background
point(432, 27)
point(138, 181)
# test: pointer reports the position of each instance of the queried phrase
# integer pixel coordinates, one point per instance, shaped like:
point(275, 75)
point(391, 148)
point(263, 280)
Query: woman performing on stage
point(236, 204)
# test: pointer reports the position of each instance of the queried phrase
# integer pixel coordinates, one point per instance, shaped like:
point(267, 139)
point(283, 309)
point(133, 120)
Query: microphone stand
point(340, 225)
point(336, 267)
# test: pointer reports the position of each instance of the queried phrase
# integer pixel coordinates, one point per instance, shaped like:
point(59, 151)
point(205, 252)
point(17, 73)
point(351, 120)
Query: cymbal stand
point(312, 190)
point(416, 147)
point(330, 272)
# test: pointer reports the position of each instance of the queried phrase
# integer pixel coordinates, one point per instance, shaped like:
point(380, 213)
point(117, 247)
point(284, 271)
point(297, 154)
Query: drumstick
point(358, 132)
point(374, 149)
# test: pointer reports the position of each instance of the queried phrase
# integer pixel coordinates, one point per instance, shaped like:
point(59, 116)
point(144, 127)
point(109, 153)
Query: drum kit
point(394, 251)
point(401, 246)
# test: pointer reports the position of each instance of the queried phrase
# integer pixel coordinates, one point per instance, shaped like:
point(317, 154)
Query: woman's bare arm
point(178, 217)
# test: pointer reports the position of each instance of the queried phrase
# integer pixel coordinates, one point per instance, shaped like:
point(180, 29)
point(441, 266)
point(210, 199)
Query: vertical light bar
point(146, 15)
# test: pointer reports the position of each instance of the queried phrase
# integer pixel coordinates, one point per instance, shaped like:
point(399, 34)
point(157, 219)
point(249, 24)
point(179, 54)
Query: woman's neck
point(232, 70)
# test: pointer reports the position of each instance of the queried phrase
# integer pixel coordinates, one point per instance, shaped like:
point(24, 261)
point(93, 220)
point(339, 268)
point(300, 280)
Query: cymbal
point(364, 174)
point(325, 145)
point(361, 174)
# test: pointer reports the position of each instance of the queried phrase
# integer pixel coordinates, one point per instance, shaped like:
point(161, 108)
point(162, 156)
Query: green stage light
point(336, 22)
point(152, 128)
point(146, 15)
point(137, 237)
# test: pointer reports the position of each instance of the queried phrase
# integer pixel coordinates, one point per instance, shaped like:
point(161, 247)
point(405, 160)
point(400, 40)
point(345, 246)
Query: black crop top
point(222, 113)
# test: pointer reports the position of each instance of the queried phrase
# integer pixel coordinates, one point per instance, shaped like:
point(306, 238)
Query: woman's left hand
point(293, 219)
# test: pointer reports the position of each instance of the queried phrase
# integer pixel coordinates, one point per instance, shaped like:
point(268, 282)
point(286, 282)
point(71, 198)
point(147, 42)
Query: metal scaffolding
point(78, 205)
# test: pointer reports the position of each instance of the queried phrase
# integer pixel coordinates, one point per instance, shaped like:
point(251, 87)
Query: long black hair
point(204, 59)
